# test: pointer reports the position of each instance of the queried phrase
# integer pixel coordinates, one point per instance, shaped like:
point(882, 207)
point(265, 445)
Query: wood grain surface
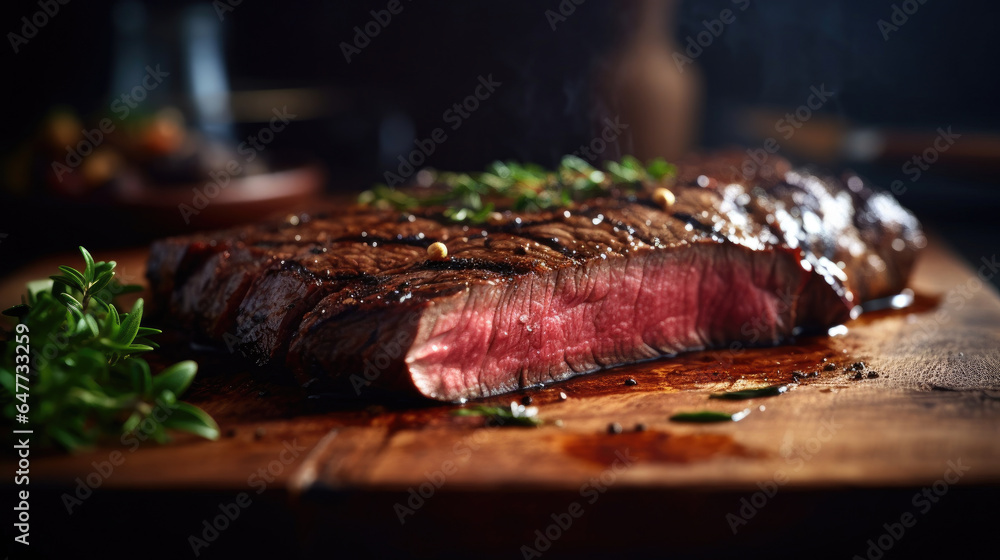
point(925, 403)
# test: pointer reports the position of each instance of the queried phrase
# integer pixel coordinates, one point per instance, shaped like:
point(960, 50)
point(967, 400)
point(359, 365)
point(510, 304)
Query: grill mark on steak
point(540, 297)
point(499, 267)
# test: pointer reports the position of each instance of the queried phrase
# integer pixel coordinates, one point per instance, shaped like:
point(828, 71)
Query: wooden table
point(834, 455)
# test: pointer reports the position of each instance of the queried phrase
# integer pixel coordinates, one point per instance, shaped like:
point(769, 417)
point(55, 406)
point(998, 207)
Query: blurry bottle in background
point(645, 88)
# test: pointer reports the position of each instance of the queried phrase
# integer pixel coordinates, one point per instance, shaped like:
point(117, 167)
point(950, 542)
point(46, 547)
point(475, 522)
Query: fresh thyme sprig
point(83, 377)
point(472, 197)
point(709, 416)
point(770, 391)
point(515, 415)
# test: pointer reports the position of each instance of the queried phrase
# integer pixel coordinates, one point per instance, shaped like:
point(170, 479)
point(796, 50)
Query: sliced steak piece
point(532, 298)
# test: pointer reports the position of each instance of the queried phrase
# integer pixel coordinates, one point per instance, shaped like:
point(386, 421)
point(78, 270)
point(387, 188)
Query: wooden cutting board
point(925, 408)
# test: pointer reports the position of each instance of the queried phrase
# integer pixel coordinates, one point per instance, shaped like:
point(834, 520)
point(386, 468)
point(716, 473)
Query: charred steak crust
point(539, 297)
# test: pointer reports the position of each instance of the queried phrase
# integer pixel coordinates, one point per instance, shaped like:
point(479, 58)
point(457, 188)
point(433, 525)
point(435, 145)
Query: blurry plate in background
point(163, 211)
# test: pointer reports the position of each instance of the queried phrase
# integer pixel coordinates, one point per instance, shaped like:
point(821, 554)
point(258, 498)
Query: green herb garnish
point(82, 380)
point(708, 416)
point(516, 415)
point(472, 197)
point(771, 391)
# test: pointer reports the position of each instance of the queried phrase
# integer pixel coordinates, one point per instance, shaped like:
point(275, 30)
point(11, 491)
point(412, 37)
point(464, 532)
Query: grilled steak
point(538, 297)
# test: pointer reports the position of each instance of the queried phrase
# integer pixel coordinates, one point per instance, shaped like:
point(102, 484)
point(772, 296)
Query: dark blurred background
point(856, 84)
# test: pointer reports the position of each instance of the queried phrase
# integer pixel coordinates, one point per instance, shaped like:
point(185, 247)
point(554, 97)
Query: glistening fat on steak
point(539, 297)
